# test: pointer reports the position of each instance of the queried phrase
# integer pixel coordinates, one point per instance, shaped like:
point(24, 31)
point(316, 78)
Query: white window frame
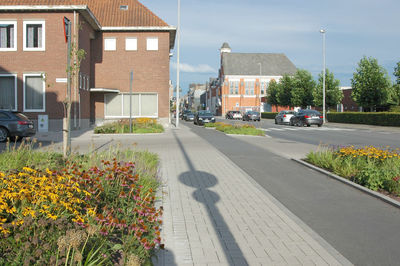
point(13, 22)
point(122, 106)
point(44, 92)
point(148, 44)
point(15, 89)
point(110, 48)
point(127, 39)
point(38, 22)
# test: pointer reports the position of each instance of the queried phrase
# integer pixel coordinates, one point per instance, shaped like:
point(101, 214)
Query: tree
point(371, 84)
point(303, 87)
point(396, 86)
point(333, 94)
point(272, 93)
point(285, 91)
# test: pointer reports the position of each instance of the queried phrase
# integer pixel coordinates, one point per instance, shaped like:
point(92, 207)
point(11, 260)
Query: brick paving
point(214, 214)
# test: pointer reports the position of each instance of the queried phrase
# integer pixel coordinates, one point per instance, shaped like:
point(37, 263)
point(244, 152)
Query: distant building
point(194, 95)
point(347, 104)
point(243, 79)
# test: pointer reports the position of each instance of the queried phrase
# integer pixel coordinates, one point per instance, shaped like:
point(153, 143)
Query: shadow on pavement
point(202, 181)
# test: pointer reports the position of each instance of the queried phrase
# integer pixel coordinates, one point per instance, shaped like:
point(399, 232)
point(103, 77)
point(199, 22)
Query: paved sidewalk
point(214, 214)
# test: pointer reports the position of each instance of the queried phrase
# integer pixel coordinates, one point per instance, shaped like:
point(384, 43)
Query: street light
point(177, 63)
point(322, 31)
point(259, 82)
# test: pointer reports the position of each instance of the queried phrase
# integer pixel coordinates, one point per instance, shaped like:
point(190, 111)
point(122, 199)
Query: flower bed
point(374, 168)
point(238, 129)
point(139, 125)
point(77, 214)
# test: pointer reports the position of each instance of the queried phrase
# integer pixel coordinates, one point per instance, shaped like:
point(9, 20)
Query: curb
point(350, 183)
point(242, 135)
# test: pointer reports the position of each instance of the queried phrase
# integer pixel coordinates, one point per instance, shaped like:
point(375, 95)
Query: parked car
point(307, 117)
point(283, 117)
point(203, 117)
point(15, 125)
point(184, 113)
point(233, 115)
point(189, 117)
point(251, 115)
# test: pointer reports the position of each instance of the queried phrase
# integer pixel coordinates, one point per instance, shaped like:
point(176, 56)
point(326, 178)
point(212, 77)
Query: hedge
point(375, 118)
point(270, 115)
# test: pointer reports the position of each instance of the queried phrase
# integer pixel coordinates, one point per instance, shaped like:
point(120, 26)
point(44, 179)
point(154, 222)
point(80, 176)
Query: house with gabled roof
point(119, 37)
point(244, 78)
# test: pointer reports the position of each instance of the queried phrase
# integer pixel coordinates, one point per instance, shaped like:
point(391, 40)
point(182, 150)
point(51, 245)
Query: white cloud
point(201, 68)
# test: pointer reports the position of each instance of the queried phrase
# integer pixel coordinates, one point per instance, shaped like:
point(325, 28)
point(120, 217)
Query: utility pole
point(67, 118)
point(130, 101)
point(323, 73)
point(177, 64)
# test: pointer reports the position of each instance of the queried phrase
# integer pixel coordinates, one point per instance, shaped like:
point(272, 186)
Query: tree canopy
point(285, 91)
point(303, 86)
point(272, 93)
point(333, 94)
point(371, 84)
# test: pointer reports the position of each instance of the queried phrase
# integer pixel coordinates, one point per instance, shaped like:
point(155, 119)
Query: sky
point(354, 29)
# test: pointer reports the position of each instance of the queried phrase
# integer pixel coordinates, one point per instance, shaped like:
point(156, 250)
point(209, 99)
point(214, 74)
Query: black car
point(251, 116)
point(307, 117)
point(203, 117)
point(184, 113)
point(15, 124)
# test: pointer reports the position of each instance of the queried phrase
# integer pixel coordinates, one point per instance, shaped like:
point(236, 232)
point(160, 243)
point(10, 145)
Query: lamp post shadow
point(202, 182)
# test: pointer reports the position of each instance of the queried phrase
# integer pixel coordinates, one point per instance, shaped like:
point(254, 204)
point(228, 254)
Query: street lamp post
point(323, 73)
point(259, 83)
point(177, 63)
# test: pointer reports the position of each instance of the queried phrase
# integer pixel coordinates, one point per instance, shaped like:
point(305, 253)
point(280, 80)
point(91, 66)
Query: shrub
point(375, 118)
point(269, 115)
point(139, 125)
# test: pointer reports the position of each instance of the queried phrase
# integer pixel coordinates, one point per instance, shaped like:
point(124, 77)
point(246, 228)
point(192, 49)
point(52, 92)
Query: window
point(110, 44)
point(249, 87)
point(131, 44)
point(231, 87)
point(34, 36)
point(8, 35)
point(152, 44)
point(34, 93)
point(143, 105)
point(264, 87)
point(236, 87)
point(8, 91)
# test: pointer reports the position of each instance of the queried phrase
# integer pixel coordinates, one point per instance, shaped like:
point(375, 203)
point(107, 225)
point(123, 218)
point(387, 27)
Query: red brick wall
point(52, 61)
point(150, 68)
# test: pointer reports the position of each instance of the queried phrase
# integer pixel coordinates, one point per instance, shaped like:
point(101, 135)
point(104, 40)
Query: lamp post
point(259, 82)
point(177, 63)
point(322, 31)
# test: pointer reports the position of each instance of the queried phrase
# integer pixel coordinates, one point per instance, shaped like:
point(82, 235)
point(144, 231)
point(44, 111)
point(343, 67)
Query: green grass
point(142, 126)
point(210, 125)
point(238, 129)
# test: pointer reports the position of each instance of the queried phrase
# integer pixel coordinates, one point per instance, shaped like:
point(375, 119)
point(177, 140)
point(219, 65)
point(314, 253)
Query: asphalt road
point(362, 228)
point(330, 134)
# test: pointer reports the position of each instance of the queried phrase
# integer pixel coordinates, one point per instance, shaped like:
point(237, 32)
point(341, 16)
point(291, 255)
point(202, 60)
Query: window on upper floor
point(264, 86)
point(131, 44)
point(249, 87)
point(8, 34)
point(34, 93)
point(8, 91)
point(110, 44)
point(34, 36)
point(152, 44)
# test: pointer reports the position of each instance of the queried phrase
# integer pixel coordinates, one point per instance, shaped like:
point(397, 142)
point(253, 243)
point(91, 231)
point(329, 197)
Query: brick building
point(118, 36)
point(243, 80)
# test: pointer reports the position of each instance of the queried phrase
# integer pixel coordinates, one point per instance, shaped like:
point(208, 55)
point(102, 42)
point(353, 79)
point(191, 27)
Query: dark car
point(203, 117)
point(15, 125)
point(251, 116)
point(184, 113)
point(189, 117)
point(307, 117)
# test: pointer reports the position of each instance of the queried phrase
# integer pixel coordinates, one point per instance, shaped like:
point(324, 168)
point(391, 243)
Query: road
point(330, 134)
point(362, 228)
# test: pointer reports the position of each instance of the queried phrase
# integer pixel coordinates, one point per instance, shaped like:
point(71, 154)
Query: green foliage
point(303, 87)
point(397, 73)
point(209, 125)
point(269, 115)
point(139, 126)
point(272, 93)
point(284, 94)
point(333, 94)
point(371, 84)
point(239, 129)
point(375, 170)
point(373, 118)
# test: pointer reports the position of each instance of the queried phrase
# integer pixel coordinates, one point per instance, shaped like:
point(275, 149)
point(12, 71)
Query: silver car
point(284, 117)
